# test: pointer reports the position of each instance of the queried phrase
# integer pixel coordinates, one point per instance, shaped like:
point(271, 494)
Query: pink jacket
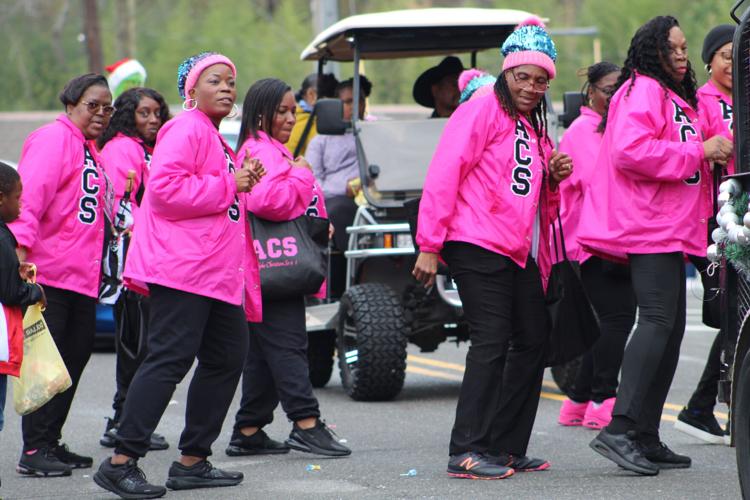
point(64, 195)
point(715, 109)
point(484, 185)
point(653, 191)
point(120, 155)
point(286, 192)
point(581, 141)
point(192, 231)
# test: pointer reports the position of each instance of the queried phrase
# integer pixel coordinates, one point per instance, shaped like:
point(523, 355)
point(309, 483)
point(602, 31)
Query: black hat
point(716, 38)
point(422, 91)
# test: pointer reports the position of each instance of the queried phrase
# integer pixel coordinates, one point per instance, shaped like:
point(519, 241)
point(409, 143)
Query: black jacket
point(13, 290)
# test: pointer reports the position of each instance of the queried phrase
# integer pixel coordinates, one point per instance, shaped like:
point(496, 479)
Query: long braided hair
point(648, 53)
point(537, 117)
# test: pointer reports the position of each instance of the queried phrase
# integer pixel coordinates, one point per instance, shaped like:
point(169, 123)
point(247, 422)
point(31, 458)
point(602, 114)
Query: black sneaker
point(701, 425)
point(625, 451)
point(520, 464)
point(201, 475)
point(111, 440)
point(472, 465)
point(74, 460)
point(661, 455)
point(257, 444)
point(127, 481)
point(42, 463)
point(320, 440)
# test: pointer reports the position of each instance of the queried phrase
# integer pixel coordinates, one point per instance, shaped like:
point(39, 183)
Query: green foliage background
point(265, 37)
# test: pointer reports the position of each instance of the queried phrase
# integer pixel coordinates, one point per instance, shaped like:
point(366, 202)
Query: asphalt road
point(391, 438)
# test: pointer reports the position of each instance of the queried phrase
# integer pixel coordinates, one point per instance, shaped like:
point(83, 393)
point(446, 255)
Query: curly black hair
point(123, 120)
point(648, 53)
point(365, 86)
point(538, 115)
point(8, 178)
point(594, 73)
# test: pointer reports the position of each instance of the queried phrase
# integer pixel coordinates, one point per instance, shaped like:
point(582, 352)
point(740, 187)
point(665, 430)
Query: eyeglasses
point(525, 80)
point(94, 107)
point(726, 56)
point(609, 91)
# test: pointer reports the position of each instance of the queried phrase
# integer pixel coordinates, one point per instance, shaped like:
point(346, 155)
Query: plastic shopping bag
point(43, 372)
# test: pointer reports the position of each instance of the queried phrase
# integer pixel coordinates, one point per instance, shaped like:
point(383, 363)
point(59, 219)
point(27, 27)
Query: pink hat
point(530, 44)
point(192, 67)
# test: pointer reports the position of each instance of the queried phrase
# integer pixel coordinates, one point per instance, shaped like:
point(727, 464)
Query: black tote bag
point(291, 254)
point(573, 321)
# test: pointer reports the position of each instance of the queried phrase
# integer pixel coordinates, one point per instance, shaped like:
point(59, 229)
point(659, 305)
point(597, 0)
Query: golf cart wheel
point(371, 342)
point(741, 425)
point(565, 375)
point(320, 347)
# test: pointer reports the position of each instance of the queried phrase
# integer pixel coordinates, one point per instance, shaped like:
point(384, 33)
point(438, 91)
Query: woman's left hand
point(331, 230)
point(560, 168)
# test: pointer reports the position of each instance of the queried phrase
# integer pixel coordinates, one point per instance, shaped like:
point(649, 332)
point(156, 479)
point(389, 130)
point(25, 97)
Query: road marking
point(557, 396)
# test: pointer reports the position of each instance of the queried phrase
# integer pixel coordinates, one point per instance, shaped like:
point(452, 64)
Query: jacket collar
point(276, 144)
point(63, 118)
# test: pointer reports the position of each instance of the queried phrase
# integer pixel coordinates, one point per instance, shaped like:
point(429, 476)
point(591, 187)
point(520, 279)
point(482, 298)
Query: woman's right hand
point(426, 268)
point(253, 172)
point(718, 149)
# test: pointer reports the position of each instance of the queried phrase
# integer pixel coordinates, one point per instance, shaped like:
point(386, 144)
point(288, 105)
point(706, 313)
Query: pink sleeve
point(177, 188)
point(41, 168)
point(638, 152)
point(119, 157)
point(461, 146)
point(285, 192)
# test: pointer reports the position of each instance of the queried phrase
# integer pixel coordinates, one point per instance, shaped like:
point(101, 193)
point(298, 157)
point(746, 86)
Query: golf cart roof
point(414, 33)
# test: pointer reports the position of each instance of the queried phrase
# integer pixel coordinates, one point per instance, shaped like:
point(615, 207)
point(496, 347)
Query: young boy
point(15, 293)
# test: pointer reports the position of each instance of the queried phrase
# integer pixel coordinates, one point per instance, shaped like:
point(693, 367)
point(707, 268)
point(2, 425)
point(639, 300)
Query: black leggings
point(611, 292)
point(653, 351)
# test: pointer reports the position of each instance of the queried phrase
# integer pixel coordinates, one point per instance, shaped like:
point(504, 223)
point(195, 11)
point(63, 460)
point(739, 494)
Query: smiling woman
point(61, 230)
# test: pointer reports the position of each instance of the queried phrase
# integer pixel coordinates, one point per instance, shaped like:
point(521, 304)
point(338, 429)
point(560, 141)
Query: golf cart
point(383, 307)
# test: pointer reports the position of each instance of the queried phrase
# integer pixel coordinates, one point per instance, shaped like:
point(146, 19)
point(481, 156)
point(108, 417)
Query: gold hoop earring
point(187, 107)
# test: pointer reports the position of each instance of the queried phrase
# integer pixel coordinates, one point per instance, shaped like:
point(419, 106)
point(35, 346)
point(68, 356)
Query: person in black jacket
point(15, 292)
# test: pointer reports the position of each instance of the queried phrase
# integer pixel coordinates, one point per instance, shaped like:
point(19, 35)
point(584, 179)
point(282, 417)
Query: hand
point(21, 253)
point(718, 149)
point(244, 180)
point(331, 230)
point(27, 271)
point(255, 167)
point(425, 268)
point(300, 162)
point(560, 168)
point(353, 187)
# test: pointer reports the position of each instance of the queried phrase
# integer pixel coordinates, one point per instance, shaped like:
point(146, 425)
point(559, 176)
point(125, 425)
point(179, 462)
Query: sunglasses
point(94, 107)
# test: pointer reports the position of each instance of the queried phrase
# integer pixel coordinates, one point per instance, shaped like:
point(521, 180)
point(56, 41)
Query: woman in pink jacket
point(189, 254)
point(61, 230)
point(276, 366)
point(126, 146)
point(715, 108)
point(490, 195)
point(592, 394)
point(651, 199)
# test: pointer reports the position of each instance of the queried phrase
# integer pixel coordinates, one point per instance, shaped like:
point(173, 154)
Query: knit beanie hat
point(716, 38)
point(125, 74)
point(474, 83)
point(530, 44)
point(192, 67)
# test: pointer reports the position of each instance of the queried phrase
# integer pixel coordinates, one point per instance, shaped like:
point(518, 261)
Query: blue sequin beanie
point(192, 67)
point(530, 44)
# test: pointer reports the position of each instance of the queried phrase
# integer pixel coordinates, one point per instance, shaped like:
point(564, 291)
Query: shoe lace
point(328, 429)
point(134, 473)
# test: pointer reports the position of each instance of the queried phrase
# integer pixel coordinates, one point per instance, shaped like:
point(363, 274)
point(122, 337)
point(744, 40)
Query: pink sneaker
point(571, 413)
point(598, 418)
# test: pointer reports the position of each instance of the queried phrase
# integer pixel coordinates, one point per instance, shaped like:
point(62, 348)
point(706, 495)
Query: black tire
point(320, 348)
point(741, 425)
point(372, 335)
point(565, 375)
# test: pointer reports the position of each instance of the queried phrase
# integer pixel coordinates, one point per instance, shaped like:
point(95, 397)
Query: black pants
point(611, 292)
point(341, 211)
point(183, 326)
point(704, 397)
point(653, 351)
point(505, 309)
point(276, 367)
point(71, 318)
point(131, 317)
